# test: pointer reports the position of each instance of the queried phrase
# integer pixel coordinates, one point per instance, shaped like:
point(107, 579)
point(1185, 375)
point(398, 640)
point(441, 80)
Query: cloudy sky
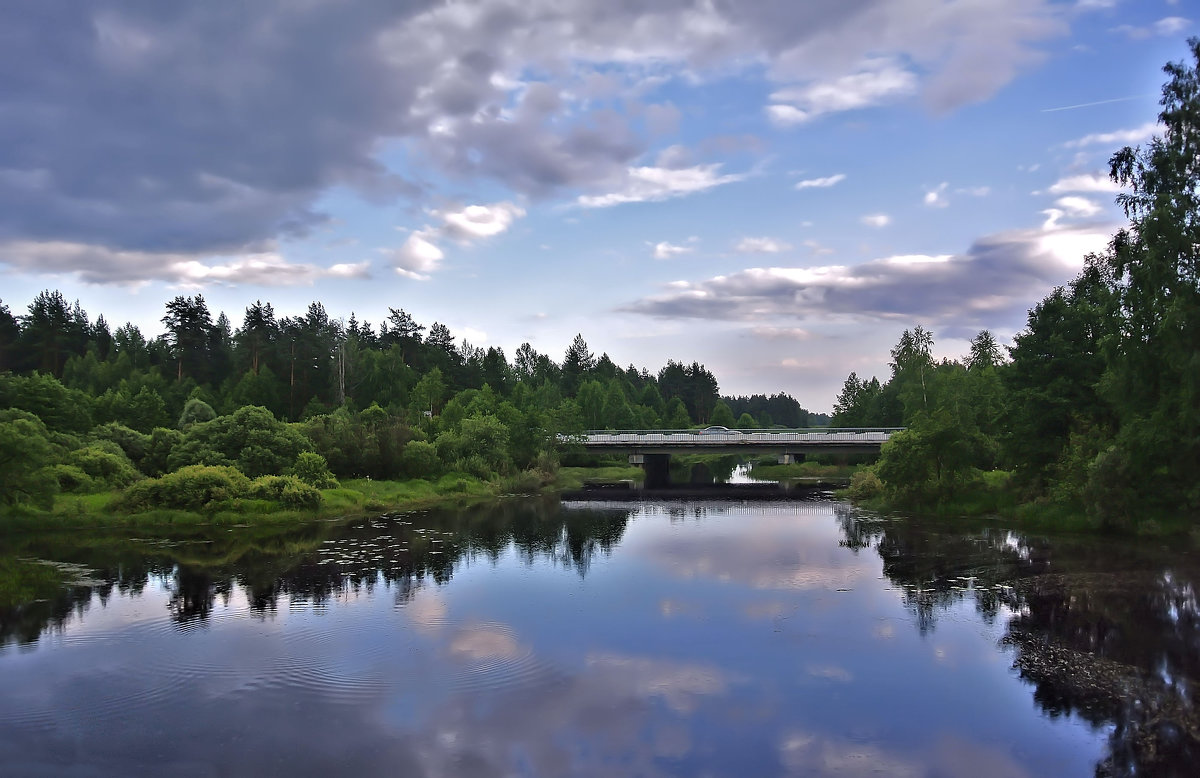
point(772, 187)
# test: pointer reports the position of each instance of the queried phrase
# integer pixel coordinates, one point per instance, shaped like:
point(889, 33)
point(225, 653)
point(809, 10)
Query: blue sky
point(776, 189)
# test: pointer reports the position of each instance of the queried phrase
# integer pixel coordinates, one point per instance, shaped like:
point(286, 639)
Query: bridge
point(651, 449)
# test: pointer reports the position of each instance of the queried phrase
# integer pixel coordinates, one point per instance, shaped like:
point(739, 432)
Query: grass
point(802, 470)
point(572, 478)
point(353, 497)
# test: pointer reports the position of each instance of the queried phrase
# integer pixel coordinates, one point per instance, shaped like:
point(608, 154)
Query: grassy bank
point(351, 498)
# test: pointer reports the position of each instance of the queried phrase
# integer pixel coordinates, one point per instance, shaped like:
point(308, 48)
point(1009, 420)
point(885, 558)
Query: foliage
point(250, 438)
point(864, 485)
point(194, 412)
point(26, 454)
point(312, 469)
point(134, 444)
point(421, 460)
point(105, 463)
point(287, 490)
point(194, 487)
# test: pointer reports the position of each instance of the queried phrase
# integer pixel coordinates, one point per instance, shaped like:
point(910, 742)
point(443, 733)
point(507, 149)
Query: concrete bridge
point(652, 449)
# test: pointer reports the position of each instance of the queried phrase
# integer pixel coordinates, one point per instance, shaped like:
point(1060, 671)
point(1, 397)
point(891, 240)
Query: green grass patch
point(802, 470)
point(572, 478)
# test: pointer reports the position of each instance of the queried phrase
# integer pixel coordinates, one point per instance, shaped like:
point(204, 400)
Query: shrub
point(135, 444)
point(106, 463)
point(312, 469)
point(194, 487)
point(421, 460)
point(286, 490)
point(864, 485)
point(71, 479)
point(524, 482)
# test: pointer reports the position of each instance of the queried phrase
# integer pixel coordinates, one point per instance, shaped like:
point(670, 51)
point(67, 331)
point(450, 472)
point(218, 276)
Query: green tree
point(722, 415)
point(194, 412)
point(25, 456)
point(1154, 376)
point(189, 333)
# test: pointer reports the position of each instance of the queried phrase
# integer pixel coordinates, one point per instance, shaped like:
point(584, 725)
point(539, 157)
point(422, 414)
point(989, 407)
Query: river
point(534, 638)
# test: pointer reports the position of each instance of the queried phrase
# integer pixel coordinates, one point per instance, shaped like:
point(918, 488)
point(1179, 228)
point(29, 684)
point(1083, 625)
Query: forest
point(274, 410)
point(1096, 409)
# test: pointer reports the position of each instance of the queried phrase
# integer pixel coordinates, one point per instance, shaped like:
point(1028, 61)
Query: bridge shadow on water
point(630, 492)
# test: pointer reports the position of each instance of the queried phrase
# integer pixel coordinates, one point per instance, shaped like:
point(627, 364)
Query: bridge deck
point(745, 441)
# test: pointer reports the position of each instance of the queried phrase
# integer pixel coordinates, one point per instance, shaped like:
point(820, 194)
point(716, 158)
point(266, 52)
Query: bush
point(524, 482)
point(421, 460)
point(864, 485)
point(286, 490)
point(194, 487)
point(71, 479)
point(106, 463)
point(135, 444)
point(26, 454)
point(250, 437)
point(312, 469)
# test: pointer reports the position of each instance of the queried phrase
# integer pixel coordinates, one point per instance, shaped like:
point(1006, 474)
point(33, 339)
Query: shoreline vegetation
point(349, 500)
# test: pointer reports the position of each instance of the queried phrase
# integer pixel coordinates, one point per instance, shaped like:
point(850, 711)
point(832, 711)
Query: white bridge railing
point(735, 437)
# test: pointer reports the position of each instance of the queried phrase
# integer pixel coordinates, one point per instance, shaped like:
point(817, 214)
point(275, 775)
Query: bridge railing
point(826, 434)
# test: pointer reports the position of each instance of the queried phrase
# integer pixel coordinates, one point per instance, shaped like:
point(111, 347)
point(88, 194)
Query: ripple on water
point(489, 657)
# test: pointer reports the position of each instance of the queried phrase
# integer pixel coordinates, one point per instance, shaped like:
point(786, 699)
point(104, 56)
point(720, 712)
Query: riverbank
point(352, 498)
point(992, 495)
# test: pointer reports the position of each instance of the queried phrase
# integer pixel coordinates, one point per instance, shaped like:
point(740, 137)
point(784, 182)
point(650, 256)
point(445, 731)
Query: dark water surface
point(529, 638)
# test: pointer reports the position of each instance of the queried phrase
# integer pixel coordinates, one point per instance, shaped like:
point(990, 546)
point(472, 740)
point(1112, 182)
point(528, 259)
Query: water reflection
point(312, 564)
point(1105, 629)
point(796, 638)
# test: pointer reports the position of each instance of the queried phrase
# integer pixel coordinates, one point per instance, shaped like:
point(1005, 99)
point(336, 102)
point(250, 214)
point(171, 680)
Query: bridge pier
point(657, 468)
point(790, 459)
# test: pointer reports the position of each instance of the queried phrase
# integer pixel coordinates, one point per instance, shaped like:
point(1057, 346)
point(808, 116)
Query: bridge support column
point(790, 459)
point(657, 467)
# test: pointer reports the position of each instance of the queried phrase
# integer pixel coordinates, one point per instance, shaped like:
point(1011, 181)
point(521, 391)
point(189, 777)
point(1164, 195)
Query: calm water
point(708, 639)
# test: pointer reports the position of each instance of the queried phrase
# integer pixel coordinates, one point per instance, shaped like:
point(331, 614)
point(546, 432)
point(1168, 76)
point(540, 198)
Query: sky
point(774, 188)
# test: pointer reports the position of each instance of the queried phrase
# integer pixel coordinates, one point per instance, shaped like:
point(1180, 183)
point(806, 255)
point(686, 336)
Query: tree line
point(1097, 407)
point(90, 408)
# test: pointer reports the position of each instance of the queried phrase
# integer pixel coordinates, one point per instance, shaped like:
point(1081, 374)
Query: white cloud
point(936, 197)
point(101, 265)
point(877, 81)
point(1084, 182)
point(786, 115)
point(1166, 27)
point(665, 250)
point(651, 184)
point(761, 246)
point(1078, 206)
point(876, 220)
point(418, 256)
point(821, 183)
point(480, 221)
point(420, 253)
point(1117, 137)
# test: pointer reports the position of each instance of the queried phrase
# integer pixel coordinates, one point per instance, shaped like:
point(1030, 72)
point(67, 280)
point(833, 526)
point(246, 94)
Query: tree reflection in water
point(1106, 629)
point(310, 564)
